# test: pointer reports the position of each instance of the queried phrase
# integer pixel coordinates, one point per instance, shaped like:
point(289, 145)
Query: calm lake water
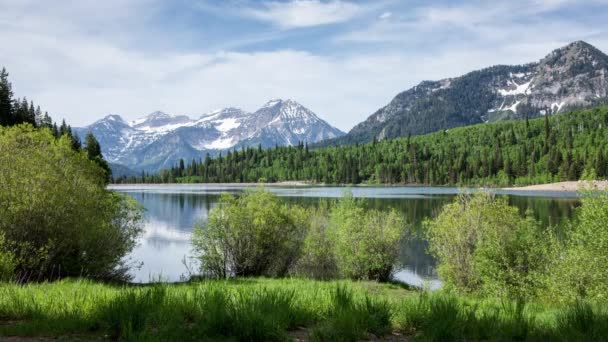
point(173, 210)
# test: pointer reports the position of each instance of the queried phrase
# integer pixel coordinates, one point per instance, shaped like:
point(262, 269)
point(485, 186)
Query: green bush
point(7, 261)
point(581, 272)
point(366, 242)
point(317, 259)
point(55, 213)
point(253, 234)
point(484, 246)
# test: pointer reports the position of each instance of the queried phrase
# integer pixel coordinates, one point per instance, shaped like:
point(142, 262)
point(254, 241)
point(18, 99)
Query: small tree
point(250, 235)
point(484, 246)
point(366, 242)
point(317, 259)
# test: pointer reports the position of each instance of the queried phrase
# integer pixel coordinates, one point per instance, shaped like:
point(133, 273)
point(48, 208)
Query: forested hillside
point(568, 146)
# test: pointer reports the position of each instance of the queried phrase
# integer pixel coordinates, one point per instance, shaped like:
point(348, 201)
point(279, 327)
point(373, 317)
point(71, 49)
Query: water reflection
point(173, 210)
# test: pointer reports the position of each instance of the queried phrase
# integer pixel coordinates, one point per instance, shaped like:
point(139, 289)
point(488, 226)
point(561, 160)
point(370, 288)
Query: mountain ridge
point(158, 140)
point(573, 76)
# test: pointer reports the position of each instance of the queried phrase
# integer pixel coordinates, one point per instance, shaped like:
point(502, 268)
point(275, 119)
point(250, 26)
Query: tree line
point(562, 147)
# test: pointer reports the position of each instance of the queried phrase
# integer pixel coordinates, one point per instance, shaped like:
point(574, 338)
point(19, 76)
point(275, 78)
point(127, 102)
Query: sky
point(343, 59)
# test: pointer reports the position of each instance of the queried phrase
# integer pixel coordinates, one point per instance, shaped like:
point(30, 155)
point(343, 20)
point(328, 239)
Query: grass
point(272, 310)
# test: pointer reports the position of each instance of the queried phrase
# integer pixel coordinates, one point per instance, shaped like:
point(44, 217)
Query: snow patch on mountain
point(520, 89)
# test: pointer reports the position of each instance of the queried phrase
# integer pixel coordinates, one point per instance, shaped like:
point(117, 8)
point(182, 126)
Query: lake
point(173, 210)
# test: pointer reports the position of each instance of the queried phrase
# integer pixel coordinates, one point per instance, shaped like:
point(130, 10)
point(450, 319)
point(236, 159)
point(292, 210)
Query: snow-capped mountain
point(159, 140)
point(573, 76)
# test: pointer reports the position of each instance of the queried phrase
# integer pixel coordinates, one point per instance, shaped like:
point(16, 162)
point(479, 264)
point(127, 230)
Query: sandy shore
point(565, 186)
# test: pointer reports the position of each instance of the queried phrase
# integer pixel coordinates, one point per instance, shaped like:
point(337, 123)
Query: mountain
point(573, 76)
point(159, 140)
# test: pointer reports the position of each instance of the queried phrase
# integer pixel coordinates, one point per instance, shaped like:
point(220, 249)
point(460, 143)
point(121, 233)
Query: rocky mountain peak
point(158, 119)
point(575, 55)
point(111, 120)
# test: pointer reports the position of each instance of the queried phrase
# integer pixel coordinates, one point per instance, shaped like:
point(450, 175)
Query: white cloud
point(305, 13)
point(82, 60)
point(385, 15)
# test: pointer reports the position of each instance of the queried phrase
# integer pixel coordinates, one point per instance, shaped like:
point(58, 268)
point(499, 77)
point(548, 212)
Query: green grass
point(272, 310)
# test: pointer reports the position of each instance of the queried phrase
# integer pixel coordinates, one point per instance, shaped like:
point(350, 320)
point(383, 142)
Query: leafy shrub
point(7, 261)
point(366, 242)
point(57, 217)
point(581, 273)
point(250, 235)
point(317, 259)
point(483, 245)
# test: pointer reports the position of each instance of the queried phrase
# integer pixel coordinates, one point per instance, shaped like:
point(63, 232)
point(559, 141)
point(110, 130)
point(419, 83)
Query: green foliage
point(503, 153)
point(365, 242)
point(7, 261)
point(581, 272)
point(249, 235)
point(350, 320)
point(55, 213)
point(256, 234)
point(484, 246)
point(317, 259)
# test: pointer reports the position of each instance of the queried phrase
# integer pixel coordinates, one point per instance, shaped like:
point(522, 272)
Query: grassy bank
point(262, 309)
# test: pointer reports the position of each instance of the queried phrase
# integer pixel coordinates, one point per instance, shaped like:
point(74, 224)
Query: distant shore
point(570, 186)
point(277, 184)
point(564, 186)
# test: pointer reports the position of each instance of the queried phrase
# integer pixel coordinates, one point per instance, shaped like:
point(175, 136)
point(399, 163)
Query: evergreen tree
point(93, 150)
point(6, 100)
point(92, 146)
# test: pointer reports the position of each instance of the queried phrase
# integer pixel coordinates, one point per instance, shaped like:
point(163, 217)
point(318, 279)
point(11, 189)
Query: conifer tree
point(6, 99)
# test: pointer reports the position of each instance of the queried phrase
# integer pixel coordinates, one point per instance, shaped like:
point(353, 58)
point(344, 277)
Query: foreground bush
point(56, 216)
point(257, 234)
point(365, 242)
point(253, 234)
point(484, 246)
point(581, 271)
point(7, 261)
point(317, 259)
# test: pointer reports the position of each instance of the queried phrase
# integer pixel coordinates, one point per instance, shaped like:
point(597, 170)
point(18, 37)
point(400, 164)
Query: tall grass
point(271, 310)
point(250, 310)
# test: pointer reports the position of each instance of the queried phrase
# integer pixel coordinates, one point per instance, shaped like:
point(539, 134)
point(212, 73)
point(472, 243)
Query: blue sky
point(343, 59)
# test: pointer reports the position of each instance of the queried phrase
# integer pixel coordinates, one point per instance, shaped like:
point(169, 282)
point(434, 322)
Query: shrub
point(483, 245)
point(581, 273)
point(250, 235)
point(7, 261)
point(317, 259)
point(366, 242)
point(57, 217)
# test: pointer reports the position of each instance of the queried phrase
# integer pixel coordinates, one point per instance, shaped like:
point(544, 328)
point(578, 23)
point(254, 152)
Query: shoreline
point(568, 186)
